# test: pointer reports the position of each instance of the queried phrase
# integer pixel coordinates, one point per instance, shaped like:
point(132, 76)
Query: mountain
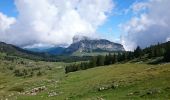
point(55, 50)
point(82, 44)
point(85, 44)
point(12, 50)
point(52, 51)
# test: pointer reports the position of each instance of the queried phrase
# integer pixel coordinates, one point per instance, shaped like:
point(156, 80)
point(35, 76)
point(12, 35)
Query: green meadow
point(47, 80)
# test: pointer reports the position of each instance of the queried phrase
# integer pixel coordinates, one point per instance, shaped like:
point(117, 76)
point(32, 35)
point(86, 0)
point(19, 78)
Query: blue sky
point(110, 29)
point(8, 7)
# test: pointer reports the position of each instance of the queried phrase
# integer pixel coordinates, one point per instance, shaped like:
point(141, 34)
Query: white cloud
point(149, 27)
point(5, 22)
point(168, 39)
point(136, 8)
point(54, 21)
point(139, 6)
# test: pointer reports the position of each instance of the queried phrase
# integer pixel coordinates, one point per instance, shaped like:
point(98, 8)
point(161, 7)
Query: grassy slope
point(8, 81)
point(79, 54)
point(135, 81)
point(131, 81)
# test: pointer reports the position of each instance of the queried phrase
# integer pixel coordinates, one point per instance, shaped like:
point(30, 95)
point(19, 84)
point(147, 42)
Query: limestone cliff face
point(85, 44)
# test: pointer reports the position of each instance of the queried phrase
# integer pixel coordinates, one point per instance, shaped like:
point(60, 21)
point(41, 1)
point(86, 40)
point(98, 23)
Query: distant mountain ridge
point(19, 52)
point(52, 51)
point(83, 44)
point(13, 52)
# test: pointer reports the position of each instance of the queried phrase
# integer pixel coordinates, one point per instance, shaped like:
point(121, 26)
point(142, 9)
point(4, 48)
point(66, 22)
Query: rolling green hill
point(119, 82)
point(16, 51)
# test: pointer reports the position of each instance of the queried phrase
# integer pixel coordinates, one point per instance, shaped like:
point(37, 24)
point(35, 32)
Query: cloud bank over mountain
point(149, 26)
point(56, 22)
point(53, 21)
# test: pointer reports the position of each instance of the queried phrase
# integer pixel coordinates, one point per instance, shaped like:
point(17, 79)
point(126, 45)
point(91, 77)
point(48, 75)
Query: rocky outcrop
point(85, 44)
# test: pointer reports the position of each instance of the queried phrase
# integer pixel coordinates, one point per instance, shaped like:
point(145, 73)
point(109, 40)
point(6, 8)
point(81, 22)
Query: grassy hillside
point(124, 81)
point(118, 82)
point(16, 51)
point(32, 73)
point(80, 54)
point(94, 53)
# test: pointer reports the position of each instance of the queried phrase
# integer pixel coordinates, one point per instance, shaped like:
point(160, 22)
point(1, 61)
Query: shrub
point(39, 73)
point(17, 89)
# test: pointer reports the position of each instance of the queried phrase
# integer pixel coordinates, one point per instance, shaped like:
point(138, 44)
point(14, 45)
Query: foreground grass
point(114, 82)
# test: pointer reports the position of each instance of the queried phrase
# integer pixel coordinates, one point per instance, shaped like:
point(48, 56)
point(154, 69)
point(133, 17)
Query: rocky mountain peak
point(86, 44)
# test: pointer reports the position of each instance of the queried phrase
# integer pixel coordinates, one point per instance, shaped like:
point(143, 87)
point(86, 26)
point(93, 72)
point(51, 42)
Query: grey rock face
point(84, 44)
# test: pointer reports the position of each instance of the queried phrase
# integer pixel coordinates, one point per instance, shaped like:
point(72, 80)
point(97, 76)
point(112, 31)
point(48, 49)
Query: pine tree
point(138, 52)
point(93, 62)
point(100, 60)
point(167, 53)
point(115, 60)
point(106, 60)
